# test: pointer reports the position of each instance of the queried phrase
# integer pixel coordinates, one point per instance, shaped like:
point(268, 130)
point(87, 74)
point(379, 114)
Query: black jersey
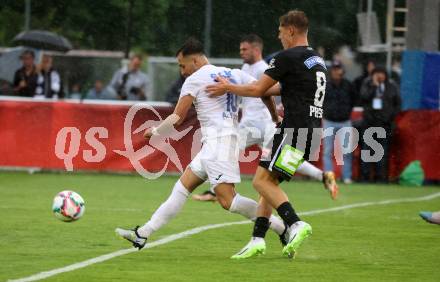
point(302, 74)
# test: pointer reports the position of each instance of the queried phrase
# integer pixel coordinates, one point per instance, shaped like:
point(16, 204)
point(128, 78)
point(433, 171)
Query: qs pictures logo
point(67, 151)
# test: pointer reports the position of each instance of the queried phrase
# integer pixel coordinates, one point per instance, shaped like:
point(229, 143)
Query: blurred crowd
point(44, 81)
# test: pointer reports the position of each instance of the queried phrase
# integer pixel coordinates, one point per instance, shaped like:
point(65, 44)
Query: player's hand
point(278, 120)
point(218, 89)
point(148, 133)
point(22, 84)
point(375, 80)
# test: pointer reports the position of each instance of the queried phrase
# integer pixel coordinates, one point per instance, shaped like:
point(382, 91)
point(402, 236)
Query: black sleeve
point(17, 78)
point(352, 93)
point(278, 67)
point(62, 94)
point(367, 92)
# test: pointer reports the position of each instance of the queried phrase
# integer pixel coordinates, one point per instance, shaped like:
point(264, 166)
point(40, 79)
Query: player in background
point(217, 161)
point(301, 72)
point(257, 125)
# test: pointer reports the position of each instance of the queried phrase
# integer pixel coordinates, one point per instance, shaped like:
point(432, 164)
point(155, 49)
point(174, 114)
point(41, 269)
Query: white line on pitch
point(174, 237)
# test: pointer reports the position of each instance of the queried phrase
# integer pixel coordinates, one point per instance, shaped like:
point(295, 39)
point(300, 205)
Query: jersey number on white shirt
point(231, 103)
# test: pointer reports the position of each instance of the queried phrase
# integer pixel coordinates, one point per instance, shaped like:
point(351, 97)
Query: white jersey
point(254, 108)
point(217, 116)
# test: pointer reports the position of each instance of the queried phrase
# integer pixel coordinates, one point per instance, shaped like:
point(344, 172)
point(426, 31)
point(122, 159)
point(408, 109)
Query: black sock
point(261, 226)
point(287, 213)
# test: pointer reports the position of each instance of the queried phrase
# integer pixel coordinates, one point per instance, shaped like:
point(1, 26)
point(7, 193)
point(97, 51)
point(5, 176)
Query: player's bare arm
point(269, 101)
point(273, 91)
point(257, 89)
point(175, 119)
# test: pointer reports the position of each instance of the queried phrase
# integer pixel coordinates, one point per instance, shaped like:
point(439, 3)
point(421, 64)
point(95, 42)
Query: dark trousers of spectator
point(379, 169)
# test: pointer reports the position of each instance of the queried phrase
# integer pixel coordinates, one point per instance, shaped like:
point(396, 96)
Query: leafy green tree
point(160, 26)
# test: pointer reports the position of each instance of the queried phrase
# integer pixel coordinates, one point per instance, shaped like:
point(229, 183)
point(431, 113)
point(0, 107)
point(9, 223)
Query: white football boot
point(132, 236)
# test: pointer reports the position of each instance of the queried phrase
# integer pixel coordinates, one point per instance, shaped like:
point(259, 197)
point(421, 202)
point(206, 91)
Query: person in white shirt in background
point(49, 84)
point(99, 92)
point(130, 83)
point(257, 126)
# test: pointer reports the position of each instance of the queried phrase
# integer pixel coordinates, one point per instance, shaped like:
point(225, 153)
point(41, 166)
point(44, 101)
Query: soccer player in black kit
point(301, 74)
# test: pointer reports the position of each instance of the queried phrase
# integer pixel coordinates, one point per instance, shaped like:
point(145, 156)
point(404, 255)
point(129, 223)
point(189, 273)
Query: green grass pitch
point(373, 243)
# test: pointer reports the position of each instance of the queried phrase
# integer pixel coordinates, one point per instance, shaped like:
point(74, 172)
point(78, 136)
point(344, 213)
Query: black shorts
point(288, 149)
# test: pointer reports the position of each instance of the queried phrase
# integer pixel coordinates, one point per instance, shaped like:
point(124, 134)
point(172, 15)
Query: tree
point(160, 26)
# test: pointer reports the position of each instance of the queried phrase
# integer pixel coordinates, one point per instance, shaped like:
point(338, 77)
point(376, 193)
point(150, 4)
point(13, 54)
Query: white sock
point(257, 240)
point(167, 211)
point(276, 224)
point(244, 206)
point(248, 208)
point(308, 169)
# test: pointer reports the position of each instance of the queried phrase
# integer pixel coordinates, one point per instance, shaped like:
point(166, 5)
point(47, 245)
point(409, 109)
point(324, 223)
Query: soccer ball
point(68, 206)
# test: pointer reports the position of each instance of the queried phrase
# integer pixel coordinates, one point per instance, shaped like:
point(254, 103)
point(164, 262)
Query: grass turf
point(375, 243)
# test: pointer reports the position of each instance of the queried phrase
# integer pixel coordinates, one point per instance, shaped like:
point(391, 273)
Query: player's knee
point(224, 202)
point(225, 194)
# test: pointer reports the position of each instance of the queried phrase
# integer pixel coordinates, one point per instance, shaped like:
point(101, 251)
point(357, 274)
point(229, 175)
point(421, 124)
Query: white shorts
point(255, 131)
point(217, 161)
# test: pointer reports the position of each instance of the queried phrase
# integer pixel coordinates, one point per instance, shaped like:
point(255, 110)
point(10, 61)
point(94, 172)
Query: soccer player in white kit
point(218, 159)
point(258, 125)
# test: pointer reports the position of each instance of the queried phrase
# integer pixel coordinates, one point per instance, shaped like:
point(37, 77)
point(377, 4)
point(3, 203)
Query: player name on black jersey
point(302, 74)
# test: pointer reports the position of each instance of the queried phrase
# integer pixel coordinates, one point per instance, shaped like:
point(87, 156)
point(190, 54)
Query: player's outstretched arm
point(175, 119)
point(256, 89)
point(273, 91)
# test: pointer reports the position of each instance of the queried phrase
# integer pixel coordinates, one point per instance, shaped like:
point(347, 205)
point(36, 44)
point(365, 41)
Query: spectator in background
point(338, 104)
point(381, 102)
point(130, 83)
point(358, 81)
point(5, 88)
point(173, 92)
point(98, 92)
point(49, 84)
point(396, 70)
point(75, 92)
point(25, 78)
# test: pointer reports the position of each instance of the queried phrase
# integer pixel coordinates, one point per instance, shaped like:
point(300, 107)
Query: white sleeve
point(55, 81)
point(191, 87)
point(115, 80)
point(246, 78)
point(262, 66)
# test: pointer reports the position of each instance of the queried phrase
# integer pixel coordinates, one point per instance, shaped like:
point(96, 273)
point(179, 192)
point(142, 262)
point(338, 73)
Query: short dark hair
point(337, 65)
point(28, 52)
point(295, 18)
point(190, 47)
point(380, 69)
point(252, 39)
point(138, 56)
